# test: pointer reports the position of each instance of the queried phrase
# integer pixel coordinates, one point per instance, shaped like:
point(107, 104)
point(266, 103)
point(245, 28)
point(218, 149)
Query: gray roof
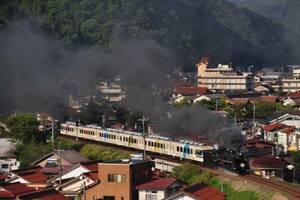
point(6, 147)
point(71, 156)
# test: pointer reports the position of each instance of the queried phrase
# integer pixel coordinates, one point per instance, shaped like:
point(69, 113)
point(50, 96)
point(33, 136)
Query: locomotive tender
point(182, 149)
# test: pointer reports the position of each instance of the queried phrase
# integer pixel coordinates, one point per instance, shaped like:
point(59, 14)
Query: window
point(118, 178)
point(177, 148)
point(151, 196)
point(4, 166)
point(108, 198)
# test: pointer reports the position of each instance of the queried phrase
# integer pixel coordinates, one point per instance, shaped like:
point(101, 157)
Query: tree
point(296, 159)
point(24, 128)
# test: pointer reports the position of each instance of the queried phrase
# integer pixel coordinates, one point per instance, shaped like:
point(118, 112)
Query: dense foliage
point(95, 152)
point(191, 174)
point(189, 28)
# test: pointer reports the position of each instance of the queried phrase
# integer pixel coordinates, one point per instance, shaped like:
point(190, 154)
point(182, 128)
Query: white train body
point(153, 143)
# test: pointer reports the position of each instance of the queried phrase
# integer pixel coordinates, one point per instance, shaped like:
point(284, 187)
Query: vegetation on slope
point(189, 28)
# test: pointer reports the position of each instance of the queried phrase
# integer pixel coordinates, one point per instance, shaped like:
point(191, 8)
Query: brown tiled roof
point(92, 175)
point(157, 184)
point(269, 99)
point(91, 165)
point(294, 95)
point(268, 162)
point(255, 140)
point(48, 194)
point(14, 189)
point(238, 101)
point(288, 129)
point(202, 191)
point(274, 126)
point(190, 90)
point(32, 175)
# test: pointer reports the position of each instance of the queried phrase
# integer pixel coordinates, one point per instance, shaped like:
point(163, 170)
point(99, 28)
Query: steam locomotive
point(230, 159)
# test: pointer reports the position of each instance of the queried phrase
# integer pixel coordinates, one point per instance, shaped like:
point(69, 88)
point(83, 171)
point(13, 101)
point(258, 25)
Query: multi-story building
point(111, 91)
point(223, 78)
point(118, 180)
point(290, 84)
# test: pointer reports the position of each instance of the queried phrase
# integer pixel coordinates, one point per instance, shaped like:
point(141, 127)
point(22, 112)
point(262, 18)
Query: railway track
point(294, 193)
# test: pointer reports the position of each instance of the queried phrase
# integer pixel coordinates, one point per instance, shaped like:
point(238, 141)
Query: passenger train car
point(182, 149)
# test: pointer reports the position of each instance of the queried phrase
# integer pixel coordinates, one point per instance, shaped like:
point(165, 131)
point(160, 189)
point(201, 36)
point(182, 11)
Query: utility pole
point(216, 104)
point(143, 120)
point(59, 164)
point(254, 114)
point(52, 134)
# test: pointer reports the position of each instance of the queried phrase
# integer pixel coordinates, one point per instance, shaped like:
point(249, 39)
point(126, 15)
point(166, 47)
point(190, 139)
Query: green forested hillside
point(189, 28)
point(284, 12)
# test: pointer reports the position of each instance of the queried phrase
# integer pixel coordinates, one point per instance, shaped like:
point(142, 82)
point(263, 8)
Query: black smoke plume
point(36, 71)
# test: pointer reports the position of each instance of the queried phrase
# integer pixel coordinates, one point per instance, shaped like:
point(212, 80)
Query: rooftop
point(48, 194)
point(32, 174)
point(202, 191)
point(190, 90)
point(14, 189)
point(268, 162)
point(157, 184)
point(70, 156)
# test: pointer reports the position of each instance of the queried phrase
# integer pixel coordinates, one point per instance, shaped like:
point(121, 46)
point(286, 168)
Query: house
point(76, 186)
point(257, 146)
point(12, 190)
point(222, 78)
point(118, 180)
point(77, 170)
point(198, 191)
point(158, 189)
point(8, 160)
point(288, 119)
point(268, 166)
point(209, 97)
point(282, 135)
point(68, 157)
point(262, 89)
point(32, 177)
point(46, 194)
point(182, 93)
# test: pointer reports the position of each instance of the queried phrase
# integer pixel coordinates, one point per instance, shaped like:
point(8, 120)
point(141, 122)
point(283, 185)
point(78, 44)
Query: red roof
point(269, 99)
point(157, 184)
point(48, 194)
point(91, 165)
point(202, 191)
point(294, 95)
point(258, 140)
point(92, 175)
point(288, 129)
point(190, 90)
point(274, 126)
point(268, 162)
point(32, 175)
point(14, 189)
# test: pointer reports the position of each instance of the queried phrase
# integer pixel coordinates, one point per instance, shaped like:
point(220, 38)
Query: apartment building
point(290, 84)
point(223, 78)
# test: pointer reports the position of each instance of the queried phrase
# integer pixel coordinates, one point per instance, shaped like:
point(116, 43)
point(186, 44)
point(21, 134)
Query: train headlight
point(242, 165)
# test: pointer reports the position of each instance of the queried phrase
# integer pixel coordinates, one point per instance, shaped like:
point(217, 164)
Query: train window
point(149, 144)
point(177, 148)
point(198, 152)
point(120, 138)
point(115, 137)
point(191, 151)
point(134, 141)
point(180, 149)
